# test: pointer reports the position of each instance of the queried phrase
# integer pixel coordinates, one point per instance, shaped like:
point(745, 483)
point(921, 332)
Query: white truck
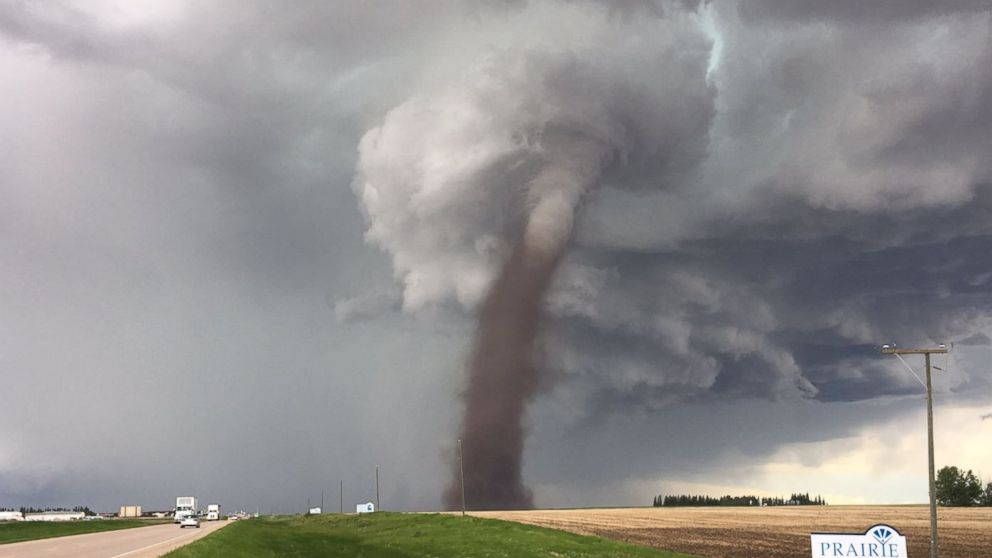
point(185, 507)
point(213, 512)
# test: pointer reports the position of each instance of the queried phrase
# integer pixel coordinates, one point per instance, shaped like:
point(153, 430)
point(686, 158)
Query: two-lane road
point(140, 542)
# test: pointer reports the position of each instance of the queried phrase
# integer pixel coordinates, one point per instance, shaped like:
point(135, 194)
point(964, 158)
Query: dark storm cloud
point(180, 239)
point(853, 11)
point(175, 213)
point(761, 317)
point(844, 203)
point(976, 339)
point(693, 440)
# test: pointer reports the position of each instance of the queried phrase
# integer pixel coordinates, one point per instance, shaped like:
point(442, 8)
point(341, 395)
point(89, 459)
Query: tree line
point(85, 509)
point(798, 499)
point(956, 487)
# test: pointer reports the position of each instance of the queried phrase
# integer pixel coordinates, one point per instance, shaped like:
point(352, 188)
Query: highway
point(140, 542)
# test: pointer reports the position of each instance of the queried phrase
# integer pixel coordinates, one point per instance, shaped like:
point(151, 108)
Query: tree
point(958, 488)
point(987, 495)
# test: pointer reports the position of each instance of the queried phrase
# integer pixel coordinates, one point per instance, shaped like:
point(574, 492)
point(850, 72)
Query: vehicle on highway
point(213, 512)
point(185, 506)
point(189, 521)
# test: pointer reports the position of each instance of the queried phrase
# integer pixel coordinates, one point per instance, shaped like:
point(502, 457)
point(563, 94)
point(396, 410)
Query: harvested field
point(767, 532)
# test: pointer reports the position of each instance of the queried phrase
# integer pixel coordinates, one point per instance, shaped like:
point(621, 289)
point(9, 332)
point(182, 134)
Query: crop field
point(767, 532)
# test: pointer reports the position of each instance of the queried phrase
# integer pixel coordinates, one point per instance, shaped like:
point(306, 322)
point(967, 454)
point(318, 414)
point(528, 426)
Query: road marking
point(149, 546)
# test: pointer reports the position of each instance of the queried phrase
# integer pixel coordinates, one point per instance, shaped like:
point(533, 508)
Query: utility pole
point(892, 350)
point(341, 495)
point(377, 506)
point(321, 500)
point(461, 473)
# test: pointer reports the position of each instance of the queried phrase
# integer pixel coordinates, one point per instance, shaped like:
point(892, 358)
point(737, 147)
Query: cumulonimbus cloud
point(772, 194)
point(504, 158)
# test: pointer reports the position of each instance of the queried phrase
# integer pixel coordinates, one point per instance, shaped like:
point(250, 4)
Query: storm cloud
point(188, 234)
point(844, 191)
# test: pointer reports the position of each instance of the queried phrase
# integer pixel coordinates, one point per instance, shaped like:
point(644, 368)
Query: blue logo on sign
point(882, 535)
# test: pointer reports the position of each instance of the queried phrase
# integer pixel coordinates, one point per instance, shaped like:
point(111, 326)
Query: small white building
point(11, 516)
point(54, 516)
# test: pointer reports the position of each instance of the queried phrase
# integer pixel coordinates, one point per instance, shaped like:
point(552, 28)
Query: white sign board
point(879, 541)
point(314, 511)
point(365, 508)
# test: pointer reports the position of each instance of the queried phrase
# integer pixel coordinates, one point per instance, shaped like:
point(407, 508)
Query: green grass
point(396, 535)
point(19, 531)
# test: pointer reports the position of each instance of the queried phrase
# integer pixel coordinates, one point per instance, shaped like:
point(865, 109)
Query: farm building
point(54, 516)
point(11, 516)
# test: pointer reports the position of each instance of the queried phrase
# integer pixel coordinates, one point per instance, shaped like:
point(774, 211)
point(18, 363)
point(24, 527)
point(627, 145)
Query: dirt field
point(768, 532)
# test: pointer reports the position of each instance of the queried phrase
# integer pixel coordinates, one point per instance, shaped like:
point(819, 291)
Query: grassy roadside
point(19, 531)
point(395, 535)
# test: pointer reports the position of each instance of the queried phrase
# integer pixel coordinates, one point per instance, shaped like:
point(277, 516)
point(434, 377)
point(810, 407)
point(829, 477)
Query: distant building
point(54, 516)
point(11, 516)
point(130, 511)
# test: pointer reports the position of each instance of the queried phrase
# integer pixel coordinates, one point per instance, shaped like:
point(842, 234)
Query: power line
point(942, 349)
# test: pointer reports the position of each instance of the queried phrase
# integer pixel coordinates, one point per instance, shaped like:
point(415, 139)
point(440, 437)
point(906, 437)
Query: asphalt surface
point(140, 542)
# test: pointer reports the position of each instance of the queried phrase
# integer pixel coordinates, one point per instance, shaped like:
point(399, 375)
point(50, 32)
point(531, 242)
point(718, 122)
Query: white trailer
point(185, 507)
point(213, 512)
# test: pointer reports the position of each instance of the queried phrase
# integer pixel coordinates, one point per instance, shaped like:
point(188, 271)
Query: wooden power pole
point(892, 350)
point(461, 473)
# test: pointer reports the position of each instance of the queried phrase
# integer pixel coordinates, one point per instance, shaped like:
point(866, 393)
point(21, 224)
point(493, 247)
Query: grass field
point(777, 532)
point(18, 531)
point(394, 535)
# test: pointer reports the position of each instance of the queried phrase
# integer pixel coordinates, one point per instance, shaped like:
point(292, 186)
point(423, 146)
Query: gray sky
point(241, 245)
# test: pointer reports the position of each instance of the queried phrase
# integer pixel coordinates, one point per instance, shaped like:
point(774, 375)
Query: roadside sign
point(879, 541)
point(365, 508)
